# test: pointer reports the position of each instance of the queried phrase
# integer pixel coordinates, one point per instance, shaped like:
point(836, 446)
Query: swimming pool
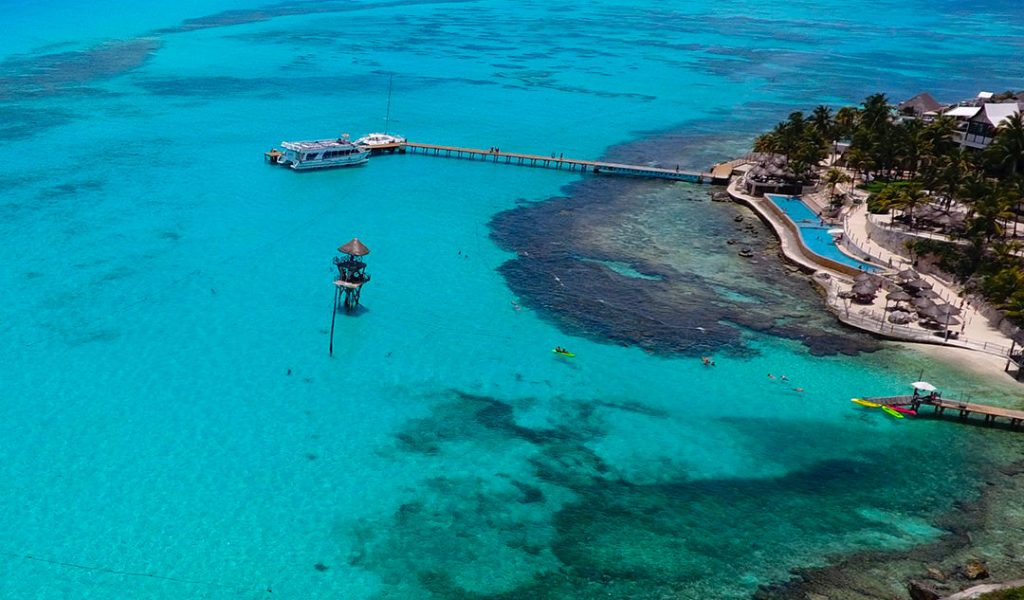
point(814, 234)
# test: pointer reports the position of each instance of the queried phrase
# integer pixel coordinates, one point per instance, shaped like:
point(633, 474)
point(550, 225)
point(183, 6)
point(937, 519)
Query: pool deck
point(788, 233)
point(976, 333)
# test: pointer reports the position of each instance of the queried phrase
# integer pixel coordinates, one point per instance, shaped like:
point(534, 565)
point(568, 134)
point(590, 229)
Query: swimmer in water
point(799, 390)
point(770, 376)
point(784, 378)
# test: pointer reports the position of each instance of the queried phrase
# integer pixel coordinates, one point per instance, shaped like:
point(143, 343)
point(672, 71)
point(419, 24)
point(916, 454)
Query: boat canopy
point(317, 145)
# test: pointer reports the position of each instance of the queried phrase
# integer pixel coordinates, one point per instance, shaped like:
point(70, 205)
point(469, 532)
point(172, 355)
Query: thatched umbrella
point(865, 288)
point(908, 274)
point(900, 317)
point(923, 303)
point(354, 248)
point(918, 284)
point(899, 296)
point(950, 321)
point(863, 277)
point(930, 294)
point(946, 309)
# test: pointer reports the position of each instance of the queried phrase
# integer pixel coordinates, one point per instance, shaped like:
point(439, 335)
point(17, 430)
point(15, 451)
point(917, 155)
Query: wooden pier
point(961, 409)
point(497, 155)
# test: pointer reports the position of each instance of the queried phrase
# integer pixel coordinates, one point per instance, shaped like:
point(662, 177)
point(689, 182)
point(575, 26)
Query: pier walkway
point(555, 162)
point(961, 408)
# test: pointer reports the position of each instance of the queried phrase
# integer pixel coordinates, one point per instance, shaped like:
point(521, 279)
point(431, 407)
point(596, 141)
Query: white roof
point(997, 113)
point(984, 95)
point(965, 112)
point(924, 386)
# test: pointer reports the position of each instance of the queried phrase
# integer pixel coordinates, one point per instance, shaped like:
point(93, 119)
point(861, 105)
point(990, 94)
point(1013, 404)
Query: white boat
point(322, 154)
point(378, 140)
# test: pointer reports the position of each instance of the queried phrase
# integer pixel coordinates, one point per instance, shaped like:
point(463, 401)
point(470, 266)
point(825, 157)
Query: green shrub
point(1009, 594)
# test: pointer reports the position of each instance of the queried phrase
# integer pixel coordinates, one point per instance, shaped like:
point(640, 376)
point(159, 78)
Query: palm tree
point(911, 145)
point(1007, 150)
point(834, 177)
point(939, 136)
point(953, 169)
point(859, 161)
point(875, 113)
point(821, 121)
point(1015, 190)
point(912, 196)
point(973, 189)
point(989, 213)
point(767, 143)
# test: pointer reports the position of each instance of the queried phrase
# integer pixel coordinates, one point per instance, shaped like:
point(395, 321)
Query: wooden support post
point(334, 315)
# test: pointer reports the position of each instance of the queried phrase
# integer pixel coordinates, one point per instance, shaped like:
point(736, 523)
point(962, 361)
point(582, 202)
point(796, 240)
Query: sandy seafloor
point(172, 426)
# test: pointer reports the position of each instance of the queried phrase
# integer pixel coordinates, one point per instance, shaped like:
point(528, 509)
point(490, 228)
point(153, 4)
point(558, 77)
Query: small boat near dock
point(380, 141)
point(892, 413)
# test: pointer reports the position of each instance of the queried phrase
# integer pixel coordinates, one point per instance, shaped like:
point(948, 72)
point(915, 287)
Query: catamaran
point(382, 140)
point(322, 154)
point(378, 140)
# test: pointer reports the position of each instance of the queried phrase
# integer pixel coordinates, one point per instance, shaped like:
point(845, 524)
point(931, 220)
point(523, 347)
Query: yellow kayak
point(892, 412)
point(866, 403)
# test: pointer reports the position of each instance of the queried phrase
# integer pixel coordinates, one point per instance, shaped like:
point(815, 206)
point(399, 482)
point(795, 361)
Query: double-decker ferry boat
point(322, 154)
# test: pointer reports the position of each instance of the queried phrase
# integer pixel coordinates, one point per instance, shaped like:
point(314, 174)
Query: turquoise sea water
point(171, 424)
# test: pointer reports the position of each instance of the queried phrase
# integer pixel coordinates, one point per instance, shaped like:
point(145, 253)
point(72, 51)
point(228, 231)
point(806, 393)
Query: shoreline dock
point(962, 409)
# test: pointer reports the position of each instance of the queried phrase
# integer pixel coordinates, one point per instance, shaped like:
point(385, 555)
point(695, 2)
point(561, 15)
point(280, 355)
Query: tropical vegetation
point(914, 168)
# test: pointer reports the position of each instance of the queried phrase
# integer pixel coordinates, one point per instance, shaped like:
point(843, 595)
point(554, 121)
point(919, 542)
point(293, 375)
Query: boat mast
point(387, 118)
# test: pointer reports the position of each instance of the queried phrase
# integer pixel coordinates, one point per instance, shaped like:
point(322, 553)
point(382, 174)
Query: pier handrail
point(870, 323)
point(597, 166)
point(867, 319)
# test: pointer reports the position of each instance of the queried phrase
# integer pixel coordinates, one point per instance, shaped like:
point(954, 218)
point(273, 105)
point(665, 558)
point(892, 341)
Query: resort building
point(981, 127)
point(923, 106)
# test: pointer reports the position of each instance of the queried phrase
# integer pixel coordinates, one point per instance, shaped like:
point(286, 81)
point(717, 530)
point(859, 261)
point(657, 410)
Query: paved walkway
point(975, 332)
point(975, 327)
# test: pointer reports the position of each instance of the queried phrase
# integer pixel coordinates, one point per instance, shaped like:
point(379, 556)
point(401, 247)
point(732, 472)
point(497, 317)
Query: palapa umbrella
point(899, 296)
point(919, 284)
point(930, 294)
point(946, 309)
point(908, 274)
point(900, 317)
point(865, 288)
point(932, 312)
point(863, 277)
point(923, 302)
point(354, 248)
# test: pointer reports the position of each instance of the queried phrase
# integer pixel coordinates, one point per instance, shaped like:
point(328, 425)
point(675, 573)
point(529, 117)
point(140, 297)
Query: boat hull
point(328, 164)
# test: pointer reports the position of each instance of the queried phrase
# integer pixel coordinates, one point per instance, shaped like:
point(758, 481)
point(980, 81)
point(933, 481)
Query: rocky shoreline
point(983, 540)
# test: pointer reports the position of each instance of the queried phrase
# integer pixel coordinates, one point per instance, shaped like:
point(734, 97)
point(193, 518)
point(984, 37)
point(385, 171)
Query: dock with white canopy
point(926, 394)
